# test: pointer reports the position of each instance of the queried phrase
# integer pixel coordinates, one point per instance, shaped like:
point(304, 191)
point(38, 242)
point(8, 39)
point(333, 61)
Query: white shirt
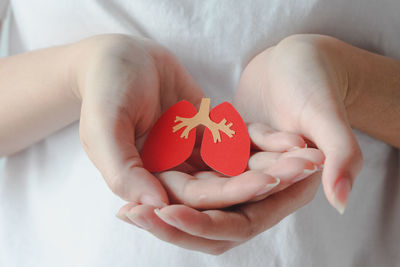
point(55, 208)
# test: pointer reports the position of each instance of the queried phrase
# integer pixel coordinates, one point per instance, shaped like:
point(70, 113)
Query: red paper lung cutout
point(164, 149)
point(225, 146)
point(231, 155)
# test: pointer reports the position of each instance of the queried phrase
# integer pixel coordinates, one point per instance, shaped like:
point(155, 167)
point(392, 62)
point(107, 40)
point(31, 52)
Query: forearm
point(376, 108)
point(36, 96)
point(372, 96)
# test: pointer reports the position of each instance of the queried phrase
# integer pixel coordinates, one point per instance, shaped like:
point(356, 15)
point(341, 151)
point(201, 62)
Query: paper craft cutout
point(202, 118)
point(164, 149)
point(225, 145)
point(231, 155)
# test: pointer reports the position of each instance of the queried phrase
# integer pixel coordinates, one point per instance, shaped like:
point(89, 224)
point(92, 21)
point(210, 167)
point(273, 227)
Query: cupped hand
point(253, 203)
point(301, 86)
point(125, 84)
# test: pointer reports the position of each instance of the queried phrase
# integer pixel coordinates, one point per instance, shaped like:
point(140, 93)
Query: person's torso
point(55, 208)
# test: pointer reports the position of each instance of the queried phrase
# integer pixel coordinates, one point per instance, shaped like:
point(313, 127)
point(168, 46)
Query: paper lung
point(225, 146)
point(231, 155)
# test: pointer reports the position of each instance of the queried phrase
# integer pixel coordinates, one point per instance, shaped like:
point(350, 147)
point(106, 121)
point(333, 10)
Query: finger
point(263, 160)
point(210, 224)
point(145, 217)
point(279, 205)
point(244, 222)
point(265, 138)
point(289, 170)
point(343, 155)
point(109, 141)
point(122, 212)
point(216, 191)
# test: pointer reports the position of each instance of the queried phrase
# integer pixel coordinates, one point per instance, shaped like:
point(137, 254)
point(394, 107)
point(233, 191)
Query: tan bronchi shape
point(203, 118)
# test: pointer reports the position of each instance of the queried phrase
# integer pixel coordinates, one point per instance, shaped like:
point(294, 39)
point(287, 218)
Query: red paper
point(231, 155)
point(225, 146)
point(165, 149)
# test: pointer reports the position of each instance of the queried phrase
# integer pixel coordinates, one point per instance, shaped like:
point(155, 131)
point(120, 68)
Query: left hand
point(303, 85)
point(215, 231)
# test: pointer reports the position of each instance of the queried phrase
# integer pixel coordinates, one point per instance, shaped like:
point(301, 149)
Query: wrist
point(372, 86)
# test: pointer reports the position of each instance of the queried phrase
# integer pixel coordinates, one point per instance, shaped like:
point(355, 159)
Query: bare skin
point(118, 86)
point(332, 85)
point(320, 87)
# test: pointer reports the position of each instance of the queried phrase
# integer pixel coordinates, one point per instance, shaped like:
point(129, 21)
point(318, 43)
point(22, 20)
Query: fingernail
point(166, 218)
point(306, 173)
point(139, 220)
point(341, 194)
point(152, 201)
point(120, 215)
point(124, 218)
point(293, 148)
point(269, 186)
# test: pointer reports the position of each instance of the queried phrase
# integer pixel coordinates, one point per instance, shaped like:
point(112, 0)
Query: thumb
point(343, 161)
point(109, 141)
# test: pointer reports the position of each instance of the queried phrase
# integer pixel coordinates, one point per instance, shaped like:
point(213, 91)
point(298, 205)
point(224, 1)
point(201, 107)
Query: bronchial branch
point(203, 118)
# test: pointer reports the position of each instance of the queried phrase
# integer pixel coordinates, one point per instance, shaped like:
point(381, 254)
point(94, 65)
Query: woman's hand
point(120, 84)
point(125, 84)
point(298, 86)
point(250, 207)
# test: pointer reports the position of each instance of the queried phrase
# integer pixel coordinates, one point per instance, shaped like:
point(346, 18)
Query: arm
point(372, 98)
point(36, 96)
point(117, 86)
point(44, 90)
point(309, 84)
point(318, 86)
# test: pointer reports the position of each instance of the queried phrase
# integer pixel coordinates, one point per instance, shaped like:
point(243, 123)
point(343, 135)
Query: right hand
point(125, 84)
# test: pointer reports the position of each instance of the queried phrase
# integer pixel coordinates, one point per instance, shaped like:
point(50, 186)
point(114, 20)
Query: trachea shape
point(225, 146)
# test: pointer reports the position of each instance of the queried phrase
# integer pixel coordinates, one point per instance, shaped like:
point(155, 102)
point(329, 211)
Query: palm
point(300, 91)
point(126, 87)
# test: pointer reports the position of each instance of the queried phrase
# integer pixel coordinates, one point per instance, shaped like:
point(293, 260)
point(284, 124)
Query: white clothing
point(55, 208)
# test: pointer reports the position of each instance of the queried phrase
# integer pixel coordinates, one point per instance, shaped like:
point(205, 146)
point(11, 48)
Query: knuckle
point(203, 230)
point(83, 134)
point(116, 184)
point(251, 227)
point(172, 238)
point(249, 232)
point(84, 143)
point(220, 249)
point(308, 199)
point(358, 156)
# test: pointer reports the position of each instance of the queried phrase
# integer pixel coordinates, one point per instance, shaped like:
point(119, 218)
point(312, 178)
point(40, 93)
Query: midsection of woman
point(46, 213)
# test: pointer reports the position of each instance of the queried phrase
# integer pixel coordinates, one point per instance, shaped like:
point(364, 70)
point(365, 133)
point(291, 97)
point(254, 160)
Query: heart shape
point(225, 145)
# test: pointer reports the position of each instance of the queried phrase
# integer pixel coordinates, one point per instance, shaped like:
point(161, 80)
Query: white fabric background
point(4, 27)
point(55, 209)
